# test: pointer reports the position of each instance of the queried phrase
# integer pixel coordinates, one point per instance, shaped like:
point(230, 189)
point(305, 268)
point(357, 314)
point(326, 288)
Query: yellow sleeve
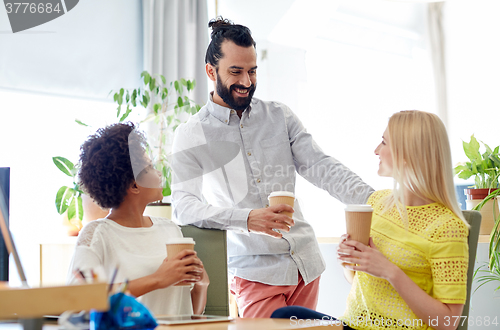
point(449, 258)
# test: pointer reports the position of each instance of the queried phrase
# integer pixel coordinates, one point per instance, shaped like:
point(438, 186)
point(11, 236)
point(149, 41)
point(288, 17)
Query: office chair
point(474, 220)
point(211, 248)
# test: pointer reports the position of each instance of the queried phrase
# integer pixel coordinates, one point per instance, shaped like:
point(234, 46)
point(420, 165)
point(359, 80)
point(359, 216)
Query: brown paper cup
point(282, 197)
point(358, 222)
point(176, 245)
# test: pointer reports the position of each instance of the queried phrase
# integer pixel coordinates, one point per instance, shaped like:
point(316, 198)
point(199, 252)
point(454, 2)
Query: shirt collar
point(223, 113)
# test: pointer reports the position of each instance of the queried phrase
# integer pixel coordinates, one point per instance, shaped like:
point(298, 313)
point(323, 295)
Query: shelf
point(36, 302)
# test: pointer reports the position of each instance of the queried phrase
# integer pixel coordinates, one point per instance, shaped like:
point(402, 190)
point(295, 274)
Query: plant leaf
point(146, 77)
point(156, 108)
point(134, 97)
point(125, 115)
point(71, 211)
point(63, 195)
point(177, 87)
point(64, 165)
point(118, 110)
point(465, 174)
point(79, 122)
point(148, 118)
point(152, 84)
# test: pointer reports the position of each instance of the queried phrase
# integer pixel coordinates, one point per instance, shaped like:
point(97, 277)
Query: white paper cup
point(282, 197)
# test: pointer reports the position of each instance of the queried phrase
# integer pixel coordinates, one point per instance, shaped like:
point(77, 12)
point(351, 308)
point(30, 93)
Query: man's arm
point(188, 204)
point(322, 170)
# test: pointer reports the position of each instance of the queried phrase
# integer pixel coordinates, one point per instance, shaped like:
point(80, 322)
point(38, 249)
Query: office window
point(51, 75)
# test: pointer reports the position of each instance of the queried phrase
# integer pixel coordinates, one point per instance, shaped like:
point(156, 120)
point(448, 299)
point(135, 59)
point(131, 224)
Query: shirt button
point(249, 153)
point(258, 180)
point(233, 112)
point(225, 121)
point(267, 205)
point(241, 125)
point(293, 253)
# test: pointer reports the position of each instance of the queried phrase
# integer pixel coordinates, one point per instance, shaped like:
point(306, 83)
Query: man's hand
point(263, 221)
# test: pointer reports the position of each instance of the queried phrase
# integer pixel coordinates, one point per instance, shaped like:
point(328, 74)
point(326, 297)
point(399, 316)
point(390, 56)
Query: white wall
point(473, 68)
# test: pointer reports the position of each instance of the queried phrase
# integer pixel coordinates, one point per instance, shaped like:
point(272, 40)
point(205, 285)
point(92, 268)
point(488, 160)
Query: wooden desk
point(238, 324)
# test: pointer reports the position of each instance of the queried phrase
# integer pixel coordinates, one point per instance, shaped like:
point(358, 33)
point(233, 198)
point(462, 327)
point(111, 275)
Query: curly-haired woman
point(117, 173)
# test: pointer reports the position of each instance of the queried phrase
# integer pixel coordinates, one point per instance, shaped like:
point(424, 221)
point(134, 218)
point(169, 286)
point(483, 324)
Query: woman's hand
point(184, 267)
point(204, 281)
point(199, 293)
point(342, 248)
point(368, 259)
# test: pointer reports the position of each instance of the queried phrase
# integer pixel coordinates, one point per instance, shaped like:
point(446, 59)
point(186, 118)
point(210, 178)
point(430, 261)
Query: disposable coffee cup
point(358, 219)
point(282, 197)
point(176, 245)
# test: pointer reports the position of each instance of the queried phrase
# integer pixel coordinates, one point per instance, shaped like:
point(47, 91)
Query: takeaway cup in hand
point(176, 245)
point(358, 219)
point(282, 197)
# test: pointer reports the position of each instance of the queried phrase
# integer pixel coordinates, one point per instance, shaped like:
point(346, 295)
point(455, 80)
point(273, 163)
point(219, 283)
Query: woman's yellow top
point(431, 249)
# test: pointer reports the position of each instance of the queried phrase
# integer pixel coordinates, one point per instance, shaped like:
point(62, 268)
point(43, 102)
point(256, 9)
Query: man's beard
point(226, 94)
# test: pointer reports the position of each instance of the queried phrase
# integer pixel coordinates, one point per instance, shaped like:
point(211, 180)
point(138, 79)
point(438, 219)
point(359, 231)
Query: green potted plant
point(69, 198)
point(72, 203)
point(167, 105)
point(484, 167)
point(490, 272)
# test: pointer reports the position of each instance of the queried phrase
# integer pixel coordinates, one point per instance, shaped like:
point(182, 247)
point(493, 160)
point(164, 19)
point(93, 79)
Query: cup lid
point(180, 240)
point(281, 193)
point(358, 208)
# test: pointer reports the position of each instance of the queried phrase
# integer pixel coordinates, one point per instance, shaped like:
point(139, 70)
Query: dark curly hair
point(224, 29)
point(106, 159)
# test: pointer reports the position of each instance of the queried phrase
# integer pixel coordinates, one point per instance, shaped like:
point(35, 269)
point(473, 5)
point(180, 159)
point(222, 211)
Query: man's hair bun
point(218, 22)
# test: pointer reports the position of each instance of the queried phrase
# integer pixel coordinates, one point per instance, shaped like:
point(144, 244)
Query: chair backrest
point(211, 248)
point(474, 220)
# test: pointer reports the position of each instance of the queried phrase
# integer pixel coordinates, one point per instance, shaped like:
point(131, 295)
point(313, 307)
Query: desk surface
point(238, 324)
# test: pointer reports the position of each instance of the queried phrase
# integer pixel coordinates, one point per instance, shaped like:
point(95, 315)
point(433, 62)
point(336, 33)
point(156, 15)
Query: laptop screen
point(4, 255)
point(7, 236)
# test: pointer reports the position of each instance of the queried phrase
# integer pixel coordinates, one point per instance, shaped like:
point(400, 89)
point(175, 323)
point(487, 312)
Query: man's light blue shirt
point(224, 166)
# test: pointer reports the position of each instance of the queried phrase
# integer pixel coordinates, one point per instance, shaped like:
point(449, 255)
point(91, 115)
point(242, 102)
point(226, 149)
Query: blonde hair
point(421, 159)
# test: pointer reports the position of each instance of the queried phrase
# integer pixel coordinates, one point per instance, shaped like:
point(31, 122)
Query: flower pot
point(478, 193)
point(72, 227)
point(489, 212)
point(163, 210)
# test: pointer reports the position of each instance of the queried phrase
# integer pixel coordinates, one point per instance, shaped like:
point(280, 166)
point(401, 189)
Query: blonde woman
point(413, 273)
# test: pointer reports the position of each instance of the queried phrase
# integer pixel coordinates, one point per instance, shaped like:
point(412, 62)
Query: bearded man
point(230, 156)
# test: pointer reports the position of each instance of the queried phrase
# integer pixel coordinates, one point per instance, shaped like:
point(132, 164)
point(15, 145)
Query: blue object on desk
point(125, 312)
